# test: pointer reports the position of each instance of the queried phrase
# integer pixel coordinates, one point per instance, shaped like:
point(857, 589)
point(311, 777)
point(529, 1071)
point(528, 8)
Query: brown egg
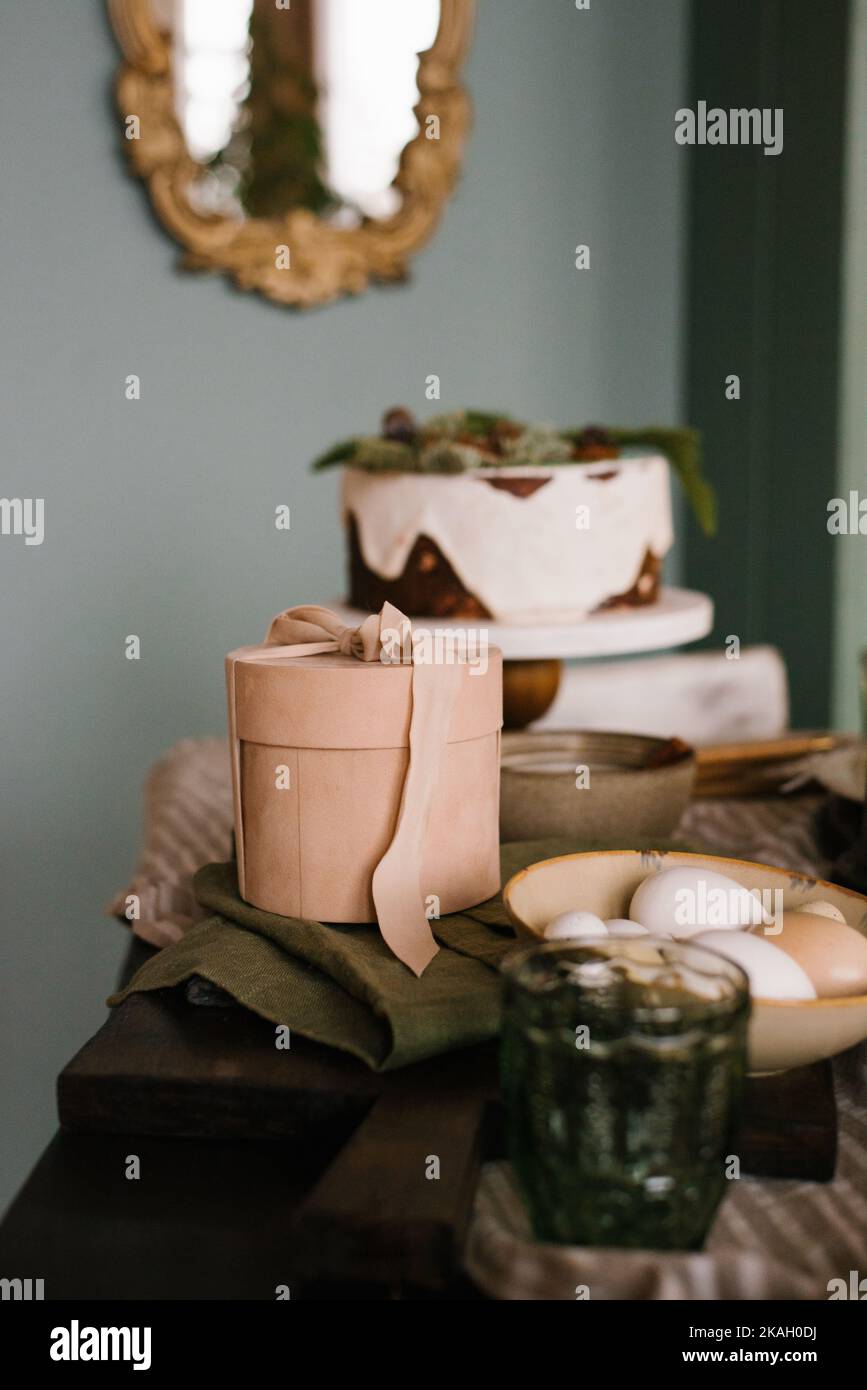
point(832, 954)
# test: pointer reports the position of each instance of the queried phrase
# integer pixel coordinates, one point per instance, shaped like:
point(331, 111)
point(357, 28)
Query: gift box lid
point(335, 701)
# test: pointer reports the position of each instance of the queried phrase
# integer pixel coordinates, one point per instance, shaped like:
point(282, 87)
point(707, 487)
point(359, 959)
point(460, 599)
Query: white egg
point(681, 901)
point(569, 924)
point(771, 973)
point(620, 926)
point(821, 909)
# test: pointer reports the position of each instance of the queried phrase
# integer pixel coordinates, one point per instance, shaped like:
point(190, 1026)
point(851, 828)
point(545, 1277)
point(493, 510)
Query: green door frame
point(764, 304)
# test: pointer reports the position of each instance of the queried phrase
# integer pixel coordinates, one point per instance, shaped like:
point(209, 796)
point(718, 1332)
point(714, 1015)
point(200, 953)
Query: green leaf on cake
point(682, 448)
point(377, 455)
point(338, 453)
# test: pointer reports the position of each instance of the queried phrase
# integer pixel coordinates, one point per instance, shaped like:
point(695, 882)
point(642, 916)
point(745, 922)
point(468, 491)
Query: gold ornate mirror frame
point(325, 261)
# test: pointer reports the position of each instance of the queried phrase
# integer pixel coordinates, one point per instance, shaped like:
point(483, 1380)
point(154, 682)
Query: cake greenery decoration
point(466, 439)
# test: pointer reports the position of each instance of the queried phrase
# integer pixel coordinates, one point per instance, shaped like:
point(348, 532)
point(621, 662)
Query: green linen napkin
point(340, 985)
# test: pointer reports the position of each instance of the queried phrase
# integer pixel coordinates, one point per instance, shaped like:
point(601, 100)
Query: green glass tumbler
point(622, 1071)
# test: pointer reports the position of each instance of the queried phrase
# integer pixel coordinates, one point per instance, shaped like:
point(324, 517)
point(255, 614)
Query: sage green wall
point(159, 513)
point(850, 636)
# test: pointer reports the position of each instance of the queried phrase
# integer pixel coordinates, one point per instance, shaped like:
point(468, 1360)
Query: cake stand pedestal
point(533, 654)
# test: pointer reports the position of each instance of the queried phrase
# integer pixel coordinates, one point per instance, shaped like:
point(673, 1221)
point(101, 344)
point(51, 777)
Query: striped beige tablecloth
point(771, 1239)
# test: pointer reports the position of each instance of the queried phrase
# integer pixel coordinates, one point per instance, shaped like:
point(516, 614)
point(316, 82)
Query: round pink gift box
point(321, 756)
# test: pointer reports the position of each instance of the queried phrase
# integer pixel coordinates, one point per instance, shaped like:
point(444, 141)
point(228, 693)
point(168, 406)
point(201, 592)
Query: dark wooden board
point(205, 1220)
point(160, 1067)
point(790, 1124)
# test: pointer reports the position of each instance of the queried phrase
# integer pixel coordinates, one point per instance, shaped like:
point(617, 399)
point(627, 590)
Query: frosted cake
point(473, 515)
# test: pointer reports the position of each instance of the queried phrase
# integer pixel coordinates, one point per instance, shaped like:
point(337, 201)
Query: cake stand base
point(529, 690)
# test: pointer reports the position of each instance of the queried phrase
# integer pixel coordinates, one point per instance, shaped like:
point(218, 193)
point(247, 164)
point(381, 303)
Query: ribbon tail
point(397, 890)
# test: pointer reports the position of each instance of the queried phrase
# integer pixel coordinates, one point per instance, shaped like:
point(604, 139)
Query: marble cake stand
point(534, 654)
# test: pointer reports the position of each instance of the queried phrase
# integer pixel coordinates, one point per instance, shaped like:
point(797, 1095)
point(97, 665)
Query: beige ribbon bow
point(397, 892)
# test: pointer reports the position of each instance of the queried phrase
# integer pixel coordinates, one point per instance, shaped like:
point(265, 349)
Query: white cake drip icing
point(524, 558)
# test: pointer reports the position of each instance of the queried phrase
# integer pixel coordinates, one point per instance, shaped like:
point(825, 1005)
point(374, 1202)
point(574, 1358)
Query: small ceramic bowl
point(634, 786)
point(783, 1033)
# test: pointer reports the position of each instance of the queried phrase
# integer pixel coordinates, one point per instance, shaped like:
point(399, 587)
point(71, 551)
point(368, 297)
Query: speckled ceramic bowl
point(633, 786)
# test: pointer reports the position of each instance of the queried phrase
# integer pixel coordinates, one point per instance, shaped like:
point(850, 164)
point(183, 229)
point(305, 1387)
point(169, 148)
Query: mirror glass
point(299, 104)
